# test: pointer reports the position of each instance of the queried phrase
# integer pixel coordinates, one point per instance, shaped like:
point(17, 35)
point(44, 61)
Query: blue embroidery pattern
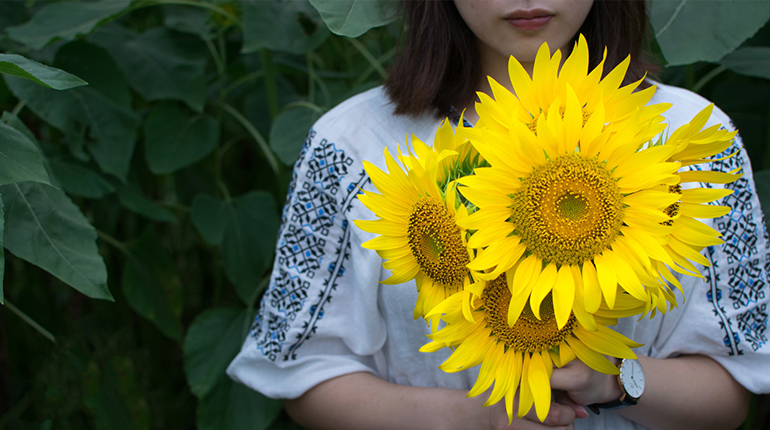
point(306, 247)
point(747, 266)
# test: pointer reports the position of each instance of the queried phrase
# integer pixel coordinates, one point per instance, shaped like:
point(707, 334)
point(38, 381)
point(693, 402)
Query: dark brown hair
point(438, 66)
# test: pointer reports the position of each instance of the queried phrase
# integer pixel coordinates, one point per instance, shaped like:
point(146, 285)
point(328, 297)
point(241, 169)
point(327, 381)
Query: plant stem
point(707, 78)
point(234, 19)
point(369, 57)
point(30, 321)
point(310, 80)
point(270, 86)
point(261, 142)
point(308, 105)
point(16, 109)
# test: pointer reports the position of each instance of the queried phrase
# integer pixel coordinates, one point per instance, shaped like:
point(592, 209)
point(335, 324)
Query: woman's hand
point(362, 400)
point(561, 415)
point(584, 385)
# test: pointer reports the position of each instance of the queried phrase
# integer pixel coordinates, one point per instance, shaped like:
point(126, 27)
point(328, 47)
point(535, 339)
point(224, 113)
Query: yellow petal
point(545, 283)
point(563, 295)
point(525, 392)
point(608, 280)
point(592, 358)
point(540, 384)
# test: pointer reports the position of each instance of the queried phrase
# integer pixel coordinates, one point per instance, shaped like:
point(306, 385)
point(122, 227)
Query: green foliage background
point(145, 152)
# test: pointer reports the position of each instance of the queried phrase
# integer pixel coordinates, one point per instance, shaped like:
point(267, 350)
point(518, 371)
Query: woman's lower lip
point(530, 23)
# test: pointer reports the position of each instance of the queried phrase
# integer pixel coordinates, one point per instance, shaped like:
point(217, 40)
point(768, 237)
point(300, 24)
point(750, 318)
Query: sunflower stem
point(261, 142)
point(369, 57)
point(707, 78)
point(270, 85)
point(24, 317)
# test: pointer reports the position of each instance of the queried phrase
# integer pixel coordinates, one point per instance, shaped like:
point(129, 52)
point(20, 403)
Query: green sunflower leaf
point(160, 64)
point(76, 178)
point(691, 31)
point(289, 131)
point(246, 229)
point(117, 401)
point(65, 20)
point(136, 202)
point(213, 340)
point(49, 77)
point(286, 26)
point(211, 343)
point(232, 406)
point(20, 159)
point(173, 140)
point(749, 61)
point(210, 218)
point(249, 241)
point(353, 18)
point(151, 284)
point(101, 111)
point(44, 227)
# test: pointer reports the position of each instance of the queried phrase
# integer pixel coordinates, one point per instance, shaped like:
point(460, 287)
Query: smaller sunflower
point(546, 91)
point(521, 356)
point(419, 236)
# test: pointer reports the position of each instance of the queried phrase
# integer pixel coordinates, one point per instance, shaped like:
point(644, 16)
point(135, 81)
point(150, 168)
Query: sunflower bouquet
point(561, 211)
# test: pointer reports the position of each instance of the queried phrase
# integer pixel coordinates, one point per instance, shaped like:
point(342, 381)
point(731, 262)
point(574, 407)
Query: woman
point(342, 349)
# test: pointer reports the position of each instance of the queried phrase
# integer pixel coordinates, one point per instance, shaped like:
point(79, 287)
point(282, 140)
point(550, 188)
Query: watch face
point(632, 376)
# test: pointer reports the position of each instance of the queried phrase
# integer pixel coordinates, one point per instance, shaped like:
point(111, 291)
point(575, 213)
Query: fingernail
point(581, 412)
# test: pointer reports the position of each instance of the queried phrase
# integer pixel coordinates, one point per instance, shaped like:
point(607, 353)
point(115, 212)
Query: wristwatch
point(631, 379)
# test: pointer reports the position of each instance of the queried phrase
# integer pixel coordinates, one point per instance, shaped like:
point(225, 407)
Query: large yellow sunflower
point(571, 203)
point(419, 233)
point(525, 352)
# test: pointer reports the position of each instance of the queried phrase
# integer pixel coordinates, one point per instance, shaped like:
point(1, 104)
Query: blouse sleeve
point(724, 315)
point(318, 318)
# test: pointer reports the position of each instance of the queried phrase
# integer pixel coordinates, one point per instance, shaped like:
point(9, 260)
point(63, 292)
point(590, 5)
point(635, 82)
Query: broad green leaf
point(118, 403)
point(12, 13)
point(2, 253)
point(134, 201)
point(20, 159)
point(193, 20)
point(286, 26)
point(289, 131)
point(101, 111)
point(697, 30)
point(151, 284)
point(210, 218)
point(246, 229)
point(99, 67)
point(159, 64)
point(14, 121)
point(44, 227)
point(211, 343)
point(173, 140)
point(353, 18)
point(65, 20)
point(76, 178)
point(249, 241)
point(16, 65)
point(232, 406)
point(749, 61)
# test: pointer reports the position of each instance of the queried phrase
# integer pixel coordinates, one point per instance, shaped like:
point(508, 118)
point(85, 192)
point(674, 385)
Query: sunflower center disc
point(528, 333)
point(435, 242)
point(568, 210)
